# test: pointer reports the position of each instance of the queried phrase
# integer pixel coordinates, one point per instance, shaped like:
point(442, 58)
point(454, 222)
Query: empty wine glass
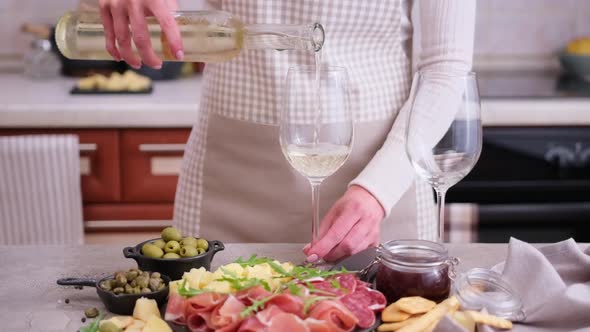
point(316, 129)
point(444, 134)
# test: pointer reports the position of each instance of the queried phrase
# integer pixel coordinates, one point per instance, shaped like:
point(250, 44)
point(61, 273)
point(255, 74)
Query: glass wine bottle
point(208, 36)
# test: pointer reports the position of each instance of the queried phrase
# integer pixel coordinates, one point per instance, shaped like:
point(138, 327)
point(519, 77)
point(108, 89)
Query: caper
point(154, 283)
point(162, 286)
point(130, 275)
point(121, 280)
point(128, 289)
point(201, 250)
point(119, 290)
point(145, 290)
point(91, 312)
point(155, 275)
point(106, 285)
point(145, 274)
point(136, 290)
point(202, 243)
point(109, 327)
point(188, 251)
point(142, 282)
point(171, 234)
point(133, 283)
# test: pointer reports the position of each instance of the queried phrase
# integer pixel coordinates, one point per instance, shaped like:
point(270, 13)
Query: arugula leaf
point(335, 283)
point(187, 291)
point(255, 306)
point(94, 326)
point(253, 260)
point(230, 273)
point(312, 300)
point(294, 289)
point(278, 268)
point(240, 283)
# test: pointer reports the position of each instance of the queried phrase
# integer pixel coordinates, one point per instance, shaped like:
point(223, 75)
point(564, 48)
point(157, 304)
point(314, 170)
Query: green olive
point(172, 246)
point(171, 255)
point(109, 327)
point(152, 251)
point(91, 312)
point(171, 234)
point(202, 243)
point(188, 251)
point(189, 242)
point(201, 250)
point(159, 243)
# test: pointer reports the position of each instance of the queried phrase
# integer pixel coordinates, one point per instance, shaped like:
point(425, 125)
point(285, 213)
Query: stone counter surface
point(31, 301)
point(26, 103)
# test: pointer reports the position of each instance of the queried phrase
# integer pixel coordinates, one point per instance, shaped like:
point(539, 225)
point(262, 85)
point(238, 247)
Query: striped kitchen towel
point(40, 195)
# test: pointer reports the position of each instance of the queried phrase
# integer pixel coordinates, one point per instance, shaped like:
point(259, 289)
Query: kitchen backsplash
point(504, 27)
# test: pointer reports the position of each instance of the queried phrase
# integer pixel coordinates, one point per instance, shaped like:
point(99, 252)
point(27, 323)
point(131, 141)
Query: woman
point(236, 185)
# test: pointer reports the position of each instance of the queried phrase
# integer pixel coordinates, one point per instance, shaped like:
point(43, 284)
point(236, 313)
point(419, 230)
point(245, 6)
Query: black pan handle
point(130, 252)
point(76, 282)
point(217, 245)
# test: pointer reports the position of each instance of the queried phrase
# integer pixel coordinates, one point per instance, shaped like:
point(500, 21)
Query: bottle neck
point(308, 37)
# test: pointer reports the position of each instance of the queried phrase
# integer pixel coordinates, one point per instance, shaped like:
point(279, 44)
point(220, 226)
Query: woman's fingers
point(123, 35)
point(109, 30)
point(338, 230)
point(169, 27)
point(141, 36)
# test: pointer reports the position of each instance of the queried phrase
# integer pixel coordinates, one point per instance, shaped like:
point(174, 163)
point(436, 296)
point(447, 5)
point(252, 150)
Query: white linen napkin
point(553, 283)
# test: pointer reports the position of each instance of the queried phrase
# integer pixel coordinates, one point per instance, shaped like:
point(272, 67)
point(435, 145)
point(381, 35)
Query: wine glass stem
point(440, 202)
point(315, 208)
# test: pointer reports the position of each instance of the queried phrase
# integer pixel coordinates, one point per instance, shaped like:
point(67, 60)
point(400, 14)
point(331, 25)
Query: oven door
point(531, 183)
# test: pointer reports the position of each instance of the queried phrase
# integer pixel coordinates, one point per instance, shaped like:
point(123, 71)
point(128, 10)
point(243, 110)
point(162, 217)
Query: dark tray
point(76, 91)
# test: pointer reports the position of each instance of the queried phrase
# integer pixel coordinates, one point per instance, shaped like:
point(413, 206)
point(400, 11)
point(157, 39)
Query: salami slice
point(357, 304)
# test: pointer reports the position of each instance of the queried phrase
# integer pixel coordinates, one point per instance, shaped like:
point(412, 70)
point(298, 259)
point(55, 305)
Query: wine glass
point(316, 129)
point(444, 134)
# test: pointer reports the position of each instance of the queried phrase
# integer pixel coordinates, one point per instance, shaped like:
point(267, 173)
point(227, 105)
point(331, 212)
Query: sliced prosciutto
point(284, 322)
point(337, 316)
point(175, 309)
point(226, 313)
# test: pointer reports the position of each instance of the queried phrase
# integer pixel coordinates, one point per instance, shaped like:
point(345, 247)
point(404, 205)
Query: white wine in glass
point(444, 134)
point(316, 129)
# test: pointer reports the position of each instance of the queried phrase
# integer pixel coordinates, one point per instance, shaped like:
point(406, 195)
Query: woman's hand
point(351, 225)
point(118, 15)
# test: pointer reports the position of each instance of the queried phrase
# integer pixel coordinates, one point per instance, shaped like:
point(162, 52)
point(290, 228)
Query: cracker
point(432, 317)
point(431, 327)
point(397, 325)
point(393, 314)
point(415, 305)
point(490, 320)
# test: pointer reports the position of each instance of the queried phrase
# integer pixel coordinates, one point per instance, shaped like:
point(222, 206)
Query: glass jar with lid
point(414, 268)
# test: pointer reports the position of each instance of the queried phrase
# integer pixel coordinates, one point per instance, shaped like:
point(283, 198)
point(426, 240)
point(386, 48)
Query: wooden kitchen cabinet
point(127, 174)
point(151, 164)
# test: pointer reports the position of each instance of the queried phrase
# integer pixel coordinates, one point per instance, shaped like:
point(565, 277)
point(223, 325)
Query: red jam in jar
point(414, 268)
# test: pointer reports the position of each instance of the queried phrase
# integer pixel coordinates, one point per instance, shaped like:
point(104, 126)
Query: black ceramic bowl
point(120, 304)
point(174, 268)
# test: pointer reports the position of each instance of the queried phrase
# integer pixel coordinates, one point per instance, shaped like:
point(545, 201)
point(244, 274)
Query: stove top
point(532, 85)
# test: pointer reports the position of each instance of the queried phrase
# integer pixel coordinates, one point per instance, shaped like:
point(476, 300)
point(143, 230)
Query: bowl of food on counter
point(174, 254)
point(119, 291)
point(576, 58)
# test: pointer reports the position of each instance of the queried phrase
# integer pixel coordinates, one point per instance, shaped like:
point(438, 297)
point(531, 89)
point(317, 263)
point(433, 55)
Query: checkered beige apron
point(235, 184)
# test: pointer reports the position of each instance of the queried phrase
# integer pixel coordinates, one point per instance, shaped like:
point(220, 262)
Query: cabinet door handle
point(162, 147)
point(87, 147)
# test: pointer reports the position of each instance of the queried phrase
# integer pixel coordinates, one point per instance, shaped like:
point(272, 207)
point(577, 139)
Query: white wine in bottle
point(207, 36)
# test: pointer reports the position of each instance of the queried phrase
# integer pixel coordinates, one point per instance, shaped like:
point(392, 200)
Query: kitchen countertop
point(32, 302)
point(45, 104)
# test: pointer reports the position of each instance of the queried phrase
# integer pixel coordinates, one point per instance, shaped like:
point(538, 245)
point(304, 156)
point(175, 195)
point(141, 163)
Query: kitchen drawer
point(151, 160)
point(99, 161)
